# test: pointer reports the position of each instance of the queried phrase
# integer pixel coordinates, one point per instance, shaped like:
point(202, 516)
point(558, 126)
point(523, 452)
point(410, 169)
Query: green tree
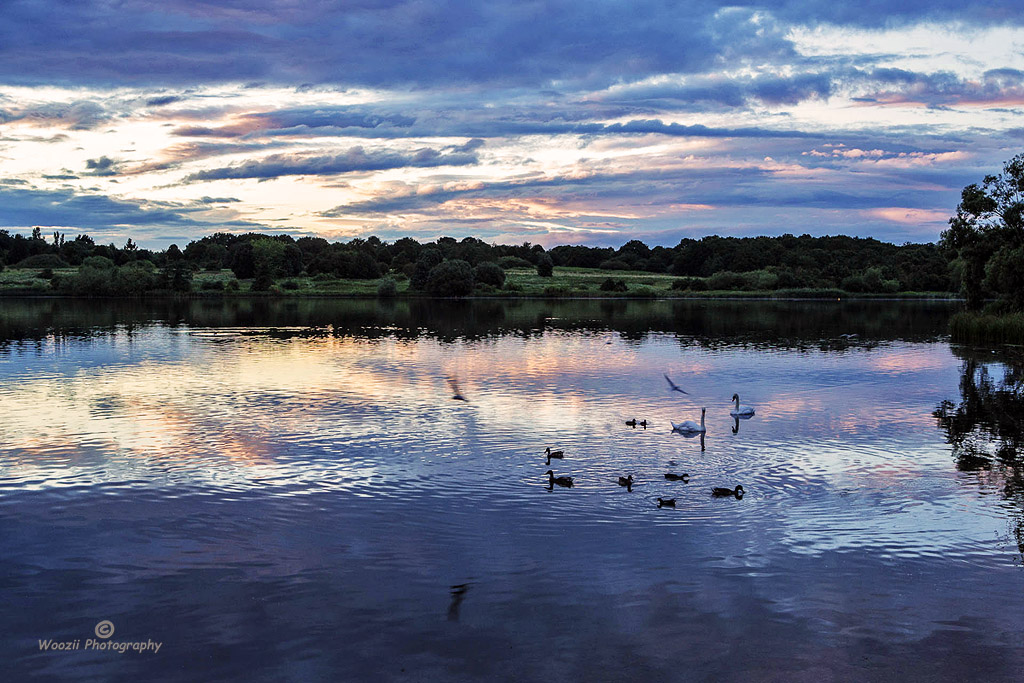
point(489, 273)
point(989, 220)
point(268, 257)
point(1004, 273)
point(427, 261)
point(545, 266)
point(451, 278)
point(388, 288)
point(177, 274)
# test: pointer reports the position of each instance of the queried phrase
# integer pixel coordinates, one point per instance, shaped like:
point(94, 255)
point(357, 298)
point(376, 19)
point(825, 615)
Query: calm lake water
point(286, 491)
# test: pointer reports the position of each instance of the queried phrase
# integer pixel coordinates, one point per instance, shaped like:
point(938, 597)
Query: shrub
point(545, 266)
point(693, 284)
point(508, 262)
point(512, 286)
point(231, 286)
point(101, 262)
point(451, 278)
point(727, 279)
point(291, 285)
point(262, 283)
point(610, 285)
point(387, 288)
point(614, 264)
point(324, 277)
point(213, 285)
point(489, 273)
point(42, 261)
point(134, 278)
point(45, 274)
point(555, 290)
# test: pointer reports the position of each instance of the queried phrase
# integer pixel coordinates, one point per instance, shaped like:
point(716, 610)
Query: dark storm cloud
point(353, 160)
point(388, 42)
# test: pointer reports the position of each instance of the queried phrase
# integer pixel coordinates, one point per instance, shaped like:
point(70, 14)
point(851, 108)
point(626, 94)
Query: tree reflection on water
point(986, 427)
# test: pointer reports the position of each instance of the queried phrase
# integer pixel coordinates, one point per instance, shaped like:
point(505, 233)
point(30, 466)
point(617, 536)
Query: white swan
point(740, 411)
point(691, 427)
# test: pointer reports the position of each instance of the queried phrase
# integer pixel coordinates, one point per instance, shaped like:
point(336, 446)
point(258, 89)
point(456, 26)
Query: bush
point(555, 290)
point(489, 273)
point(508, 262)
point(614, 264)
point(134, 278)
point(512, 286)
point(45, 274)
point(290, 285)
point(727, 280)
point(231, 286)
point(213, 286)
point(451, 278)
point(545, 266)
point(42, 261)
point(100, 262)
point(262, 283)
point(610, 285)
point(693, 284)
point(387, 288)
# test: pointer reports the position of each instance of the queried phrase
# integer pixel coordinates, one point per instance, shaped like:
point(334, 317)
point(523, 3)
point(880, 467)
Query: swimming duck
point(554, 454)
point(561, 481)
point(669, 503)
point(643, 424)
point(626, 481)
point(720, 491)
point(677, 477)
point(691, 427)
point(631, 423)
point(740, 410)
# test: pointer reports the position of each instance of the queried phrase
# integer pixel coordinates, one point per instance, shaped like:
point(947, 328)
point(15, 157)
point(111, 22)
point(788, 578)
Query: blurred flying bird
point(455, 388)
point(672, 386)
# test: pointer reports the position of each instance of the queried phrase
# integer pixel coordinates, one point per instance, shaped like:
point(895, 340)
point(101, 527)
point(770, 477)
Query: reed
point(987, 328)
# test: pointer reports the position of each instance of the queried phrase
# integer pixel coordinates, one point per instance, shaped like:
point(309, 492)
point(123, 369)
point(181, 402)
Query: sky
point(547, 121)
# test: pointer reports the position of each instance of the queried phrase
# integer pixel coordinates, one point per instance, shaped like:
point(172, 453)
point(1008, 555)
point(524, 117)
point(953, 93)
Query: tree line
point(456, 267)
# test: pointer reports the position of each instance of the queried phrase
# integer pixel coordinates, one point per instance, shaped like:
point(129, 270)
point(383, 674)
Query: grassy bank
point(986, 328)
point(519, 282)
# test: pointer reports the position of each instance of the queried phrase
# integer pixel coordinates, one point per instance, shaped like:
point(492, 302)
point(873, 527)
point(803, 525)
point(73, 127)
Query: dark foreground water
point(285, 491)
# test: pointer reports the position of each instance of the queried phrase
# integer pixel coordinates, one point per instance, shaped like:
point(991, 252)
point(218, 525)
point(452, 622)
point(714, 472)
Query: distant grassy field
point(519, 282)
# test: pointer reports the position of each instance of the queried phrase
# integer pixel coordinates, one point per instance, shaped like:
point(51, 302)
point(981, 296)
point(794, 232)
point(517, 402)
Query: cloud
point(74, 115)
point(899, 86)
point(104, 166)
point(64, 207)
point(352, 160)
point(407, 43)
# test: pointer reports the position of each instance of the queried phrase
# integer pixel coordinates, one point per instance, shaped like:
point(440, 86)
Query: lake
point(286, 491)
